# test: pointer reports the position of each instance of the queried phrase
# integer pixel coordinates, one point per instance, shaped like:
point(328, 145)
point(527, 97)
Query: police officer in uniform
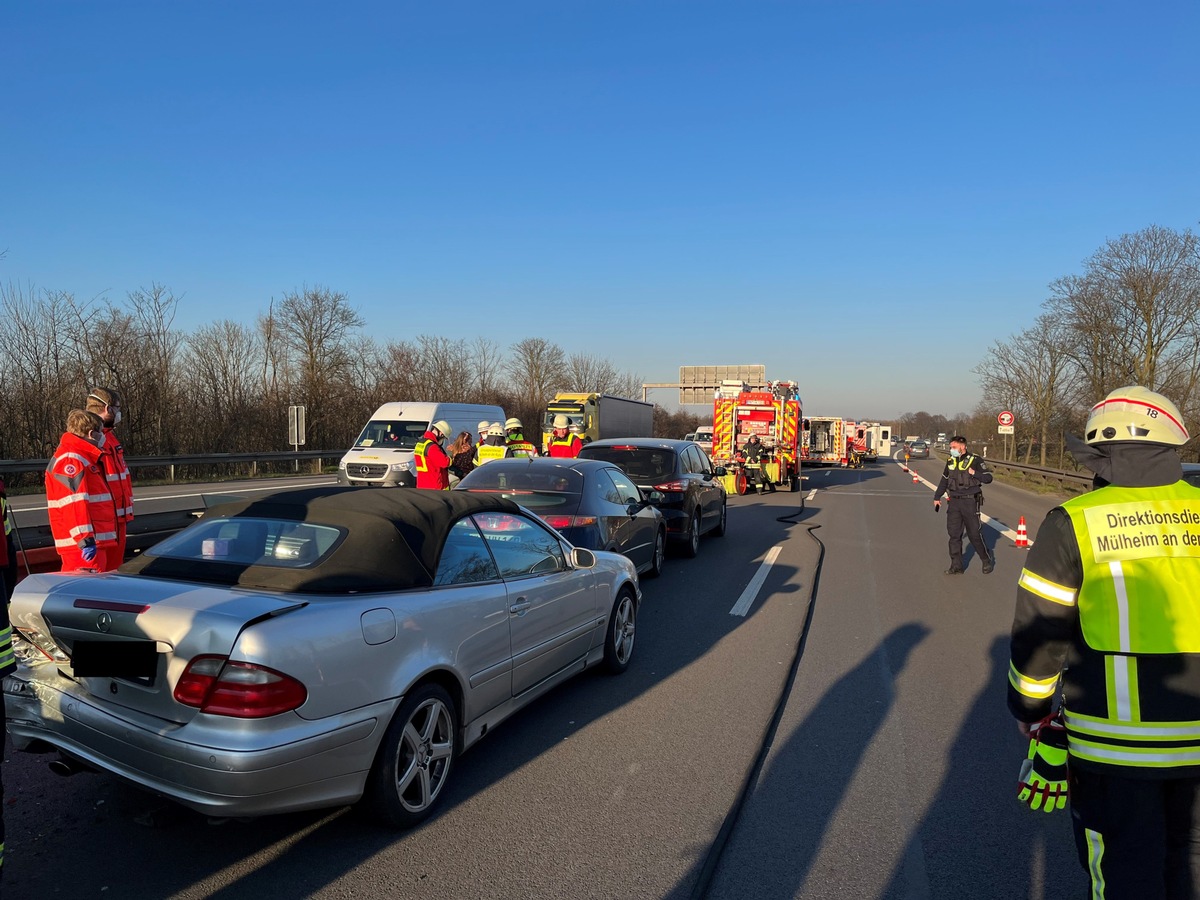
point(962, 478)
point(1108, 610)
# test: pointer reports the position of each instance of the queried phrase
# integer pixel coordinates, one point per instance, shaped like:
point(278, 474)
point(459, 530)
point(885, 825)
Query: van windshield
point(391, 434)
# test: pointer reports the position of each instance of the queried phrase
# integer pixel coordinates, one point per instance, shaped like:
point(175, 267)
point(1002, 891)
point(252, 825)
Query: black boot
point(955, 569)
point(989, 565)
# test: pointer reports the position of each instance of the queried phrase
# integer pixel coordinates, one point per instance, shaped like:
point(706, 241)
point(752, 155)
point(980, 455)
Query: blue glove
point(87, 548)
point(1043, 780)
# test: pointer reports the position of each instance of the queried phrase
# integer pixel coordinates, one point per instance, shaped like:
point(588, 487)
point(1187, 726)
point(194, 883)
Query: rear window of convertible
point(282, 543)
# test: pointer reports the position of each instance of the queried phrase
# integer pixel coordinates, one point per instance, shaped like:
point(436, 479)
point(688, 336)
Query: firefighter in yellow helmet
point(562, 443)
point(1108, 616)
point(518, 447)
point(493, 446)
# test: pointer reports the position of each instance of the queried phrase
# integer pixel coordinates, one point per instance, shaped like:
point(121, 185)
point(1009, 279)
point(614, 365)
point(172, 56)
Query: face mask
point(116, 419)
point(99, 439)
point(955, 452)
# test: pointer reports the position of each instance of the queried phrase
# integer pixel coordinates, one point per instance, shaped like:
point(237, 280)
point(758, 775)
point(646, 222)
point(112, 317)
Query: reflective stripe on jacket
point(77, 495)
point(521, 449)
point(117, 474)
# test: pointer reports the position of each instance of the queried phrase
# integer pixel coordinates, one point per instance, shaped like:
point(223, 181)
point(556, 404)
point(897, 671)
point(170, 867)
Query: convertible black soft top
point(392, 543)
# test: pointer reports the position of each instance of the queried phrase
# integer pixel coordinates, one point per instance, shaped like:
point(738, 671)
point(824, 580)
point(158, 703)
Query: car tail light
point(30, 641)
point(667, 486)
point(624, 447)
point(561, 522)
point(215, 685)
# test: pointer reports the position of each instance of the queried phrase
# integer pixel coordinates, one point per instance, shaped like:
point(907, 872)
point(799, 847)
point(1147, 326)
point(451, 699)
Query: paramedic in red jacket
point(83, 515)
point(432, 463)
point(106, 403)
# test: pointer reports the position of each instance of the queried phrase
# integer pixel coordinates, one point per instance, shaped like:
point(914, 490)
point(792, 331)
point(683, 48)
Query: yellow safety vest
point(1138, 606)
point(488, 452)
point(419, 455)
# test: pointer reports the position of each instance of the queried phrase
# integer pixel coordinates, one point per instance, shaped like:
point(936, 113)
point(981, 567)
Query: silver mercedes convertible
point(313, 648)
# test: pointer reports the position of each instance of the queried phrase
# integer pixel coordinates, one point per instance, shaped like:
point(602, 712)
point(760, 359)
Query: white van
point(383, 454)
point(704, 437)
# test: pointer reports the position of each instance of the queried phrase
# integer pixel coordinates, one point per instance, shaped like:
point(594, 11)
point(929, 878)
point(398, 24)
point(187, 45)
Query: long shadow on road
point(807, 778)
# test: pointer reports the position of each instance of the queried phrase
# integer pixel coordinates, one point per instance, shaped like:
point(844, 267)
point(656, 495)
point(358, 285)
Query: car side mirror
point(582, 559)
point(720, 471)
point(656, 496)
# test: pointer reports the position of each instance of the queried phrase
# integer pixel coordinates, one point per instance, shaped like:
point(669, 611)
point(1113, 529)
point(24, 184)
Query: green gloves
point(1043, 780)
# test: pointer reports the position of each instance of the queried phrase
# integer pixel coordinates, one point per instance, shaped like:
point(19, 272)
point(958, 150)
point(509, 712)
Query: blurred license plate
point(115, 659)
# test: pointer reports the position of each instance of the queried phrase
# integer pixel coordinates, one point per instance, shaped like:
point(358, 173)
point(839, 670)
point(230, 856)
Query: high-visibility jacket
point(117, 474)
point(1111, 597)
point(488, 452)
point(519, 448)
point(565, 448)
point(78, 496)
point(432, 464)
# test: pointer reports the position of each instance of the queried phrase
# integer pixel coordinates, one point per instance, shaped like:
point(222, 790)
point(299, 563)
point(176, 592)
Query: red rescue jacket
point(432, 463)
point(565, 448)
point(117, 473)
point(78, 496)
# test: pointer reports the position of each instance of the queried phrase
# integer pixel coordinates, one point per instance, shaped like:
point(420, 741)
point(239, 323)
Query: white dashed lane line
point(747, 599)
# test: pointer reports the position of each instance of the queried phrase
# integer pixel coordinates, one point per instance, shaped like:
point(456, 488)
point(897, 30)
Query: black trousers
point(1137, 838)
point(963, 515)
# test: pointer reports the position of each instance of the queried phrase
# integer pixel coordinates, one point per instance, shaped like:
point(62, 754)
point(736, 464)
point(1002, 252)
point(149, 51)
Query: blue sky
point(860, 195)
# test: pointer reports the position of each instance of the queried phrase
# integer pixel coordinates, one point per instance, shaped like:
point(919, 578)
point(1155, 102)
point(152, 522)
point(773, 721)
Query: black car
point(592, 504)
point(692, 496)
point(1191, 474)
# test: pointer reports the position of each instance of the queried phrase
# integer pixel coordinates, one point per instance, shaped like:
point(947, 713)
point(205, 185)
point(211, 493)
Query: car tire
point(719, 531)
point(415, 760)
point(692, 547)
point(660, 554)
point(622, 628)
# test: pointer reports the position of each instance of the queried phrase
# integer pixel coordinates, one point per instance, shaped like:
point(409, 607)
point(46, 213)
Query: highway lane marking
point(745, 601)
point(202, 493)
point(811, 494)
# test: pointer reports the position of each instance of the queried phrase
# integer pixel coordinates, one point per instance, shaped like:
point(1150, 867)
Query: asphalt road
point(891, 772)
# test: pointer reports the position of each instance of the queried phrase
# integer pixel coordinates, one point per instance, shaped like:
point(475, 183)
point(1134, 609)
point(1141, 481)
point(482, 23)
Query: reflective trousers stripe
point(1095, 847)
point(1137, 757)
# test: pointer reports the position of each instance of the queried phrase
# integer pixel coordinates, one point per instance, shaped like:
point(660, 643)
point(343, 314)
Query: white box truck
point(383, 454)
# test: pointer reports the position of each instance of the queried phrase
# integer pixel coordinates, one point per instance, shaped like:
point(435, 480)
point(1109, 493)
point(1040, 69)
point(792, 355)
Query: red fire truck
point(773, 413)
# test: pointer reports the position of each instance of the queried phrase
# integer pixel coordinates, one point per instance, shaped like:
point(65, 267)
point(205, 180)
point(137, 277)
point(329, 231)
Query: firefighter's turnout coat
point(1111, 594)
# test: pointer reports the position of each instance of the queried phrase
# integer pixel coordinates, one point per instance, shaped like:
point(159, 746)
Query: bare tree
point(316, 326)
point(1030, 374)
point(535, 367)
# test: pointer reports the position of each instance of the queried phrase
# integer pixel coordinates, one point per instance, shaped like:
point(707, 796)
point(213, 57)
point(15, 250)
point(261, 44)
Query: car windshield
point(536, 487)
point(638, 462)
point(390, 433)
point(919, 445)
point(251, 541)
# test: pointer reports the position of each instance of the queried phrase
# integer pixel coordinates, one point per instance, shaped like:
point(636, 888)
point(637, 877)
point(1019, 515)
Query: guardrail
point(1073, 482)
point(170, 463)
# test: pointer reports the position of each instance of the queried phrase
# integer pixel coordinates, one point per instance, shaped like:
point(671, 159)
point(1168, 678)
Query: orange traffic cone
point(1022, 535)
point(916, 477)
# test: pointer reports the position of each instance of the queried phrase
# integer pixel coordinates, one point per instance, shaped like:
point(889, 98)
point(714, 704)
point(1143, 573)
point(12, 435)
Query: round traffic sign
point(1006, 418)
